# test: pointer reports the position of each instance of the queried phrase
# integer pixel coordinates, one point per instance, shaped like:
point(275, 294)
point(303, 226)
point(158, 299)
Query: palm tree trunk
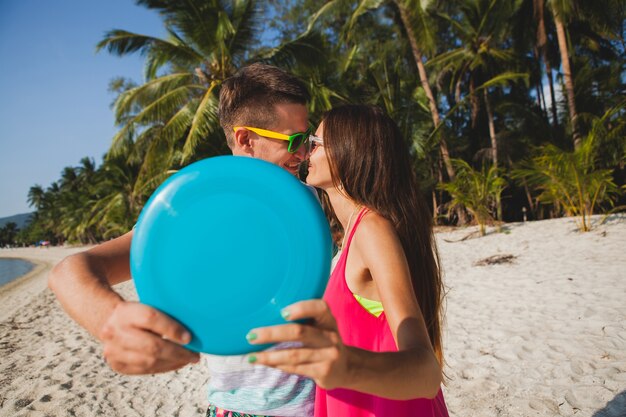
point(494, 146)
point(555, 119)
point(492, 130)
point(540, 100)
point(474, 103)
point(435, 208)
point(542, 46)
point(567, 75)
point(544, 106)
point(529, 197)
point(432, 103)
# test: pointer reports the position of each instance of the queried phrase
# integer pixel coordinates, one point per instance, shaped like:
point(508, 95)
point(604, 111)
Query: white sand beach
point(541, 334)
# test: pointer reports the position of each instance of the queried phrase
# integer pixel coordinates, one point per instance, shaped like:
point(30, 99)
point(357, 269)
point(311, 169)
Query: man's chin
point(291, 170)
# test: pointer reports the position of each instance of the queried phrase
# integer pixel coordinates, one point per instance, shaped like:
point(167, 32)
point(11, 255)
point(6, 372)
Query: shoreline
point(22, 288)
point(19, 291)
point(33, 270)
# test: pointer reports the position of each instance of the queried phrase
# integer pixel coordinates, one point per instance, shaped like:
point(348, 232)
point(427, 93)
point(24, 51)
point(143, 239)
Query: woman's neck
point(343, 206)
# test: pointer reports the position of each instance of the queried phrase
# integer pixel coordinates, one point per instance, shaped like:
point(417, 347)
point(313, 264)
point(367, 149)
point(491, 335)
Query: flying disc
point(224, 245)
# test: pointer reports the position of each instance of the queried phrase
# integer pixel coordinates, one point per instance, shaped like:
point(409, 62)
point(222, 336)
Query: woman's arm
point(412, 372)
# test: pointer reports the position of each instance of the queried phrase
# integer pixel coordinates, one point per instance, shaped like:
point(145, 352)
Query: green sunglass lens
point(296, 141)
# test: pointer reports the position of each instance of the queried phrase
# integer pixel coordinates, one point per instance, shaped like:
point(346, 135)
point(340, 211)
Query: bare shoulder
point(375, 225)
point(374, 233)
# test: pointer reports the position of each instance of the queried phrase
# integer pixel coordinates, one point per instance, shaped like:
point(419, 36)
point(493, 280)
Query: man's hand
point(140, 340)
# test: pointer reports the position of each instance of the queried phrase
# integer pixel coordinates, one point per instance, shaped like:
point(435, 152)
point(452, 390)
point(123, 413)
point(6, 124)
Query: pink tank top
point(362, 329)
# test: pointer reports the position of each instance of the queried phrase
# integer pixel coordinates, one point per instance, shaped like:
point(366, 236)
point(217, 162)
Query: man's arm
point(137, 339)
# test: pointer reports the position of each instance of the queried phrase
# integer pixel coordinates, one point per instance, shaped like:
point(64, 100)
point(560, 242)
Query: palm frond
point(303, 50)
point(121, 42)
point(363, 7)
point(420, 23)
point(329, 8)
point(204, 122)
point(130, 101)
point(503, 79)
point(179, 123)
point(174, 52)
point(246, 24)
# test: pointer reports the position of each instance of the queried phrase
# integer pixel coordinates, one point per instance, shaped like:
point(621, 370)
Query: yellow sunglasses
point(295, 141)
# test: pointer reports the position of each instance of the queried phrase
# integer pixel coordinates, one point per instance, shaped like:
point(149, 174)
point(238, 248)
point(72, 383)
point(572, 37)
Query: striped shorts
point(214, 411)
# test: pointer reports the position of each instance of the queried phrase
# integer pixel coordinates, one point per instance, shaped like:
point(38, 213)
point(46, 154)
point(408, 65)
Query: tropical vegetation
point(476, 191)
point(522, 98)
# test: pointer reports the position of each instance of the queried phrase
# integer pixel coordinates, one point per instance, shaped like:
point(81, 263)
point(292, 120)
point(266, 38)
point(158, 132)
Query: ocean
point(13, 268)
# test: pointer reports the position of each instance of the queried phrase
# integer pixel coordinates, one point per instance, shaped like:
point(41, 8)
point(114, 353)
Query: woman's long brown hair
point(370, 160)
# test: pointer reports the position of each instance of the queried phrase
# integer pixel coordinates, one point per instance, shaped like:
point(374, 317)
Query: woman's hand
point(323, 356)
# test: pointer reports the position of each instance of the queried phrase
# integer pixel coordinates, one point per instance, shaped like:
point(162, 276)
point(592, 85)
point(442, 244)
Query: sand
point(543, 333)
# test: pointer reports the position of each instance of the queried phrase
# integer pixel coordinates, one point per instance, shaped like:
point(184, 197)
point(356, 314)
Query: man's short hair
point(248, 97)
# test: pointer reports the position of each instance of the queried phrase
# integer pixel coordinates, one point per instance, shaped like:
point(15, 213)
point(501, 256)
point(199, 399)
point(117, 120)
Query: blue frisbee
point(226, 243)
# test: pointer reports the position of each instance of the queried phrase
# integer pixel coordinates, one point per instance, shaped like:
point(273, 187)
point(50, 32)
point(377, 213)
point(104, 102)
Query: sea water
point(13, 268)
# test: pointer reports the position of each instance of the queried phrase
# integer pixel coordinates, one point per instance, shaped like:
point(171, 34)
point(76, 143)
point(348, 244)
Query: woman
point(374, 348)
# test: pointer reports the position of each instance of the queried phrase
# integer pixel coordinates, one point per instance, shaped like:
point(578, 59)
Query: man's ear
point(244, 142)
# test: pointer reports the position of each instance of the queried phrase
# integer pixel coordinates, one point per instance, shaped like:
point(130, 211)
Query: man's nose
point(303, 152)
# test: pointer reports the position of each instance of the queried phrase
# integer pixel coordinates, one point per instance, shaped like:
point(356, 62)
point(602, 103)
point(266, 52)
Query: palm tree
point(419, 29)
point(575, 181)
point(482, 59)
point(45, 220)
point(120, 195)
point(569, 181)
point(604, 18)
point(561, 10)
point(476, 191)
point(36, 197)
point(71, 203)
point(542, 49)
point(8, 233)
point(122, 185)
point(205, 43)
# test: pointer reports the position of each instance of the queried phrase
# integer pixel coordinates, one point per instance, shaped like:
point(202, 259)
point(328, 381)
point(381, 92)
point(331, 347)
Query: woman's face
point(319, 169)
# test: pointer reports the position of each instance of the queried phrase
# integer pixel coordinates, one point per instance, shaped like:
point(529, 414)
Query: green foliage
point(92, 203)
point(476, 191)
point(574, 181)
point(205, 43)
point(568, 180)
point(477, 63)
point(8, 234)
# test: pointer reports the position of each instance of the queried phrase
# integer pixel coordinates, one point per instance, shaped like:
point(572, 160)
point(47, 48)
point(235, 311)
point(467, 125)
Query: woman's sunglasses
point(295, 141)
point(315, 141)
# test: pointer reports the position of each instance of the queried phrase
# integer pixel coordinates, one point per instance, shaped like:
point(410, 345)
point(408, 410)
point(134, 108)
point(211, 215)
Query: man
point(261, 109)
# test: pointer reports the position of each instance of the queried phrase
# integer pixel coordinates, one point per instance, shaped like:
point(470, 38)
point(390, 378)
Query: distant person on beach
point(374, 348)
point(138, 339)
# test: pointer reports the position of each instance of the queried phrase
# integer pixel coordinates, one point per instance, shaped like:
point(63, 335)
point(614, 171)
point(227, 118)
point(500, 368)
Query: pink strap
point(360, 216)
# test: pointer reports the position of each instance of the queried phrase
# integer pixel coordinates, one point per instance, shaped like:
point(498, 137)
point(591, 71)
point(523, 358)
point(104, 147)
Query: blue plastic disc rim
point(226, 243)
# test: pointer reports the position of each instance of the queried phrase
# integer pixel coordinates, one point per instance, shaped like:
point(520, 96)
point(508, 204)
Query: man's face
point(291, 118)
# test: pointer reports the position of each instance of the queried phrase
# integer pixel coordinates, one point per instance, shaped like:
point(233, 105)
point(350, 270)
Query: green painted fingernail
point(251, 336)
point(251, 359)
point(285, 313)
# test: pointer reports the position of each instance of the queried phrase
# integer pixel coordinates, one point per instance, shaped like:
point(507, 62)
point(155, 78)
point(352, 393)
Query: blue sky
point(54, 103)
